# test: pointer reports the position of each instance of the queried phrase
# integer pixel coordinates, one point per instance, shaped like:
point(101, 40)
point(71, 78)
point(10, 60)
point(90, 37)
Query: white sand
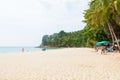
point(61, 64)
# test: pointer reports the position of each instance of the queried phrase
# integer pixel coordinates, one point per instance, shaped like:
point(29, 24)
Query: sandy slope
point(62, 64)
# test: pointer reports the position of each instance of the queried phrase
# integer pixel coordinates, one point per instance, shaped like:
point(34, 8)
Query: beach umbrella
point(102, 43)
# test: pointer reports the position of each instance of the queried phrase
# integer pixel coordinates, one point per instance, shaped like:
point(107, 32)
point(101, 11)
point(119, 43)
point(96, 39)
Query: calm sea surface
point(18, 49)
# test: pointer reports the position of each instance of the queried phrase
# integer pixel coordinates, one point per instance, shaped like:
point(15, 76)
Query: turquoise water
point(18, 49)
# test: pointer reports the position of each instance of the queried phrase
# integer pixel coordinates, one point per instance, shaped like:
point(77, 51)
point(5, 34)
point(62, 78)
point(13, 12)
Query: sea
point(18, 49)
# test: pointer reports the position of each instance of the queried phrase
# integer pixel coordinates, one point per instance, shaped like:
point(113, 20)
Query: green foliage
point(97, 17)
point(100, 12)
point(82, 38)
point(63, 39)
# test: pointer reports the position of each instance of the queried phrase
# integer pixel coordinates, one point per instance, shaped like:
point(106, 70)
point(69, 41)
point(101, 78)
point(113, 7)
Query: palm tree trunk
point(113, 34)
point(116, 39)
point(108, 23)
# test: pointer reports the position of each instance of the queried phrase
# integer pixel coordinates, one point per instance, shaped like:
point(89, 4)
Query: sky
point(24, 22)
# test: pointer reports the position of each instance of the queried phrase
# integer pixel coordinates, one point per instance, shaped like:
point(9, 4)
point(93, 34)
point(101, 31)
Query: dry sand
point(61, 64)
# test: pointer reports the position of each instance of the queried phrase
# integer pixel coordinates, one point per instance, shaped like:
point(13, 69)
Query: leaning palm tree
point(102, 12)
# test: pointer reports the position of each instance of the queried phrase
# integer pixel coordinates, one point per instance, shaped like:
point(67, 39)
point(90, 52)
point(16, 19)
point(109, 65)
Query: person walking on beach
point(22, 49)
point(103, 47)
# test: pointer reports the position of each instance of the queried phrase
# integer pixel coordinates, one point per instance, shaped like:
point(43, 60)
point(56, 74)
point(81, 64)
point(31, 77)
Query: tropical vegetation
point(106, 14)
point(102, 20)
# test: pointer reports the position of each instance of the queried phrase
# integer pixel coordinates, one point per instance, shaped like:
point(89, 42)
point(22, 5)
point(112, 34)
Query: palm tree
point(102, 12)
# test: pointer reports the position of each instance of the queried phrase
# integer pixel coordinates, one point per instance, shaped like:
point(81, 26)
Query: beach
point(60, 64)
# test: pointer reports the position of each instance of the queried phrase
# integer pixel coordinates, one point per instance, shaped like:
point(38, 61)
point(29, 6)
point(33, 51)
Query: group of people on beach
point(107, 48)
